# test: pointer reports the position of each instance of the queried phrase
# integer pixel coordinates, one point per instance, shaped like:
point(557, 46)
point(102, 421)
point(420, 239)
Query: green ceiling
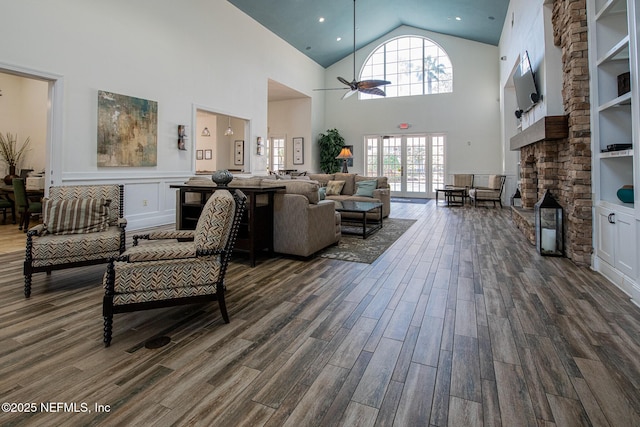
point(297, 21)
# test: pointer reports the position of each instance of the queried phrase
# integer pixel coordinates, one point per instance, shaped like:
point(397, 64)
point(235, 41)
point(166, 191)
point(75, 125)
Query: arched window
point(414, 66)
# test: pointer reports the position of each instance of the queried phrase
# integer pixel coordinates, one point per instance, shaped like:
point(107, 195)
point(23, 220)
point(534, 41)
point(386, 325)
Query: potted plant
point(11, 154)
point(330, 145)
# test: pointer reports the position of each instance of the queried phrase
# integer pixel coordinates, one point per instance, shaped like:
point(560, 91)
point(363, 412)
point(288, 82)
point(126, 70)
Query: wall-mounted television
point(526, 90)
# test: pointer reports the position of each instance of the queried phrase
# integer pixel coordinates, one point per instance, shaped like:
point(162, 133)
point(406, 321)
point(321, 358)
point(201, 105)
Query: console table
point(256, 227)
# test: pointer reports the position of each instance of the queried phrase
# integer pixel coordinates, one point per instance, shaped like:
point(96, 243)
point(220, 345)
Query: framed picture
point(238, 152)
point(208, 154)
point(199, 154)
point(350, 161)
point(298, 151)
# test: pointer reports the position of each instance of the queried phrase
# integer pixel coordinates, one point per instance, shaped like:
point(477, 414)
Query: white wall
point(180, 54)
point(528, 28)
point(292, 119)
point(469, 116)
point(23, 111)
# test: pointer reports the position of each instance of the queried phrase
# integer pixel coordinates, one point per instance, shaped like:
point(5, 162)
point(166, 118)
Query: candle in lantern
point(548, 241)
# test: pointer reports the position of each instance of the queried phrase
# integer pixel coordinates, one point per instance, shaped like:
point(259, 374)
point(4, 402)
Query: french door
point(413, 164)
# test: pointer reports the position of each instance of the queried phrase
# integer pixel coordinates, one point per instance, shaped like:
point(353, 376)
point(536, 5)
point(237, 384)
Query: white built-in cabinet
point(615, 119)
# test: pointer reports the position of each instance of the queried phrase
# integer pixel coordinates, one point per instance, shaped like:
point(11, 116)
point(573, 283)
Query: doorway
point(216, 136)
point(413, 164)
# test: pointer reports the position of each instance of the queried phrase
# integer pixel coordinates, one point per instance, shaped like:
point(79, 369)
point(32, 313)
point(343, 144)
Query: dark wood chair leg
point(223, 306)
point(108, 330)
point(27, 285)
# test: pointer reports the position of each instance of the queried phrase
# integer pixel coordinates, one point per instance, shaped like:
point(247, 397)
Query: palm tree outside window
point(415, 66)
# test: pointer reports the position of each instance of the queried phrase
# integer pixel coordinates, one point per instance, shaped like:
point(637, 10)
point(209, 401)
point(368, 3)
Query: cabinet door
point(625, 249)
point(605, 236)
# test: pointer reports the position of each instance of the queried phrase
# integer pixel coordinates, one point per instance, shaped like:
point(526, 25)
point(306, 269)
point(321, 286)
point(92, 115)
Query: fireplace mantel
point(547, 128)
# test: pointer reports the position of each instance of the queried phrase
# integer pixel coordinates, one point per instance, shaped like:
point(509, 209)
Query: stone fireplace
point(555, 152)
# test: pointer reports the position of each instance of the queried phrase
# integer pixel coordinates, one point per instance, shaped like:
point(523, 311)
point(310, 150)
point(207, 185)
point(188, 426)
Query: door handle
point(612, 218)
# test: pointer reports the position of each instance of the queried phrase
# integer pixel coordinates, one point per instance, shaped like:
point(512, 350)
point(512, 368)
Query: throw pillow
point(334, 188)
point(365, 188)
point(75, 216)
point(322, 193)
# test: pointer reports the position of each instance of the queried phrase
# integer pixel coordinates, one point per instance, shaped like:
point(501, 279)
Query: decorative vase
point(625, 194)
point(222, 177)
point(12, 174)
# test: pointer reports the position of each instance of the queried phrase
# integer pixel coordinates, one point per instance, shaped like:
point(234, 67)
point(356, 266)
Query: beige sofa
point(381, 194)
point(302, 223)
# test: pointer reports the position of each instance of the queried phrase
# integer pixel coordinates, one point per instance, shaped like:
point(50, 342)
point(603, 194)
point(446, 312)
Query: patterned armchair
point(176, 267)
point(82, 225)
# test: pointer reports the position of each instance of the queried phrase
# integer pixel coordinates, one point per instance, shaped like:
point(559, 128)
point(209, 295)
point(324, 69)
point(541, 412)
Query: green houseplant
point(330, 143)
point(11, 154)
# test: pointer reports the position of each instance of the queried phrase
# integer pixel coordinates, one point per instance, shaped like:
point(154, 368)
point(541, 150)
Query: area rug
point(409, 200)
point(356, 249)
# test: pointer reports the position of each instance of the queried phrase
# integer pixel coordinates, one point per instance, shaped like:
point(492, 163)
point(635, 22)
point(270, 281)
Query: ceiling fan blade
point(344, 81)
point(332, 88)
point(373, 91)
point(366, 84)
point(348, 94)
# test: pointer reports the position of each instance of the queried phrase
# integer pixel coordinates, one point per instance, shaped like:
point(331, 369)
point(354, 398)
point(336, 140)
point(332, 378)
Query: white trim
point(55, 113)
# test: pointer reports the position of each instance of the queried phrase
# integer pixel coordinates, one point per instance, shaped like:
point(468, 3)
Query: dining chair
point(26, 207)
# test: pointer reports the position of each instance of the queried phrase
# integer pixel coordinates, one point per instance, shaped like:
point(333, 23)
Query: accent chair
point(175, 267)
point(82, 225)
point(491, 193)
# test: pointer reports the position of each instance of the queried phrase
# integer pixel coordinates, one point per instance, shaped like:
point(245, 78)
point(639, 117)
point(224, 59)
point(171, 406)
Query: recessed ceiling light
point(338, 39)
point(308, 48)
point(458, 18)
point(321, 19)
point(492, 18)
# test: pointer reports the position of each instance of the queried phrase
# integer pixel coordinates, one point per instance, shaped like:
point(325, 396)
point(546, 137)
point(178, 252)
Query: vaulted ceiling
point(299, 21)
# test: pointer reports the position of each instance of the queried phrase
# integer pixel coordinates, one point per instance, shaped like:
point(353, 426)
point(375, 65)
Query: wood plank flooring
point(459, 323)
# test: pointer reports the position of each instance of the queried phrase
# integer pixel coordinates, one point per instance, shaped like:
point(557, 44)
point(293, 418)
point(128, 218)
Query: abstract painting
point(127, 131)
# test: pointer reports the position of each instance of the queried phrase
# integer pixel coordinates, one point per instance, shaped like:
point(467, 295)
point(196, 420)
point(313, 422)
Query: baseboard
point(620, 280)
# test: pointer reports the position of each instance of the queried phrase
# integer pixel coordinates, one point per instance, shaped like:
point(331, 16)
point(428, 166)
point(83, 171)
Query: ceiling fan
point(365, 86)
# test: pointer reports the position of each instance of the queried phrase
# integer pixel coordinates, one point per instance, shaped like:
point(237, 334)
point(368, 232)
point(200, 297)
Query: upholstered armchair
point(176, 267)
point(462, 181)
point(82, 225)
point(491, 193)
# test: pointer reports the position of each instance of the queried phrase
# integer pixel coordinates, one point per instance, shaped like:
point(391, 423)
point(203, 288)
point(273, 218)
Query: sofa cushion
point(245, 182)
point(322, 178)
point(306, 188)
point(349, 182)
point(365, 188)
point(76, 216)
point(382, 180)
point(334, 188)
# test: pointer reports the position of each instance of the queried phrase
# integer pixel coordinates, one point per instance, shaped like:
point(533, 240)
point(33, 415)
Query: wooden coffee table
point(451, 195)
point(361, 208)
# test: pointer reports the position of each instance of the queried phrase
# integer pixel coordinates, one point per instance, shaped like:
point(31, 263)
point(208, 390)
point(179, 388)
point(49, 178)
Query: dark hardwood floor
point(459, 323)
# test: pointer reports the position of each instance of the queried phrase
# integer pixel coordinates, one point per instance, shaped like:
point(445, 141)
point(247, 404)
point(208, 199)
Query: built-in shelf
point(616, 154)
point(624, 99)
point(612, 6)
point(618, 52)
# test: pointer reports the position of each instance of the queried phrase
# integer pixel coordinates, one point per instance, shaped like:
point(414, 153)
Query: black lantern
point(516, 199)
point(549, 227)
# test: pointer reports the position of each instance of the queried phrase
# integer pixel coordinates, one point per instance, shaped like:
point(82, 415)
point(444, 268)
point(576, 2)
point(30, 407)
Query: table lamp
point(345, 154)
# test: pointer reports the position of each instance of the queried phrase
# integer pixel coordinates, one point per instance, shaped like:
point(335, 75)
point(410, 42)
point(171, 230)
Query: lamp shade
point(345, 153)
